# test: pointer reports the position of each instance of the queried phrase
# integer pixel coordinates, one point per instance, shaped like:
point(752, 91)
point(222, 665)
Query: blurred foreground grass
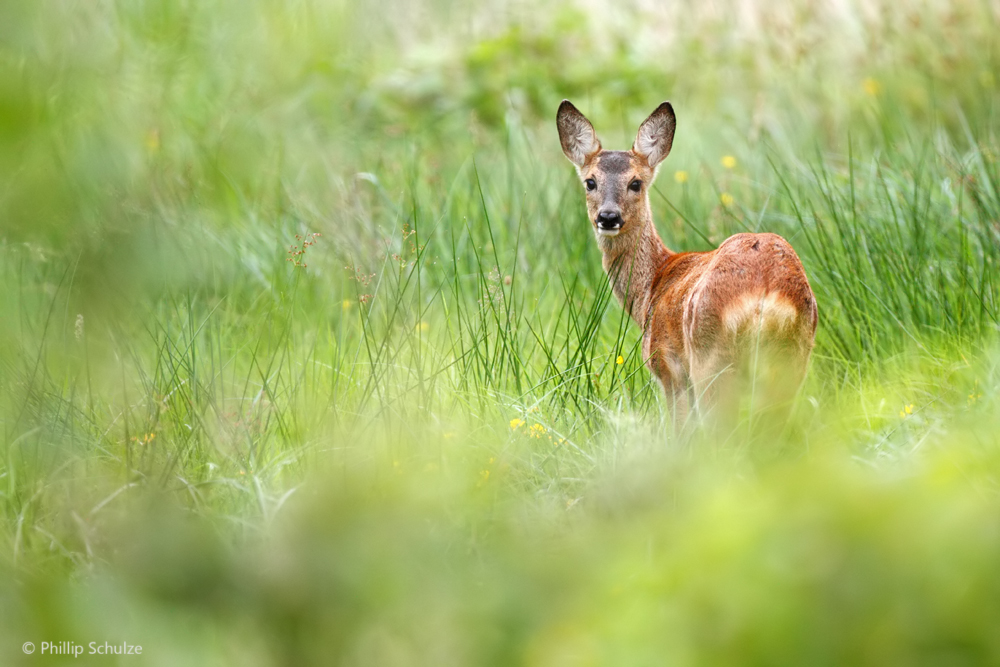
point(409, 440)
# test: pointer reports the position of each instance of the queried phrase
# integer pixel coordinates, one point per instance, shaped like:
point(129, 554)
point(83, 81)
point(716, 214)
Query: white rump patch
point(772, 311)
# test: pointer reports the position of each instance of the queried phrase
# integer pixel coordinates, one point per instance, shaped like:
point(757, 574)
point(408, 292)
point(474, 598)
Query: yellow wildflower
point(974, 395)
point(906, 411)
point(536, 431)
point(726, 199)
point(346, 304)
point(728, 161)
point(515, 423)
point(620, 360)
point(872, 87)
point(423, 326)
point(681, 176)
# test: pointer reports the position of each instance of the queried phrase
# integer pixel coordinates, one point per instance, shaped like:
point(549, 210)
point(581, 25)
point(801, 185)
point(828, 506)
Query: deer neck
point(631, 259)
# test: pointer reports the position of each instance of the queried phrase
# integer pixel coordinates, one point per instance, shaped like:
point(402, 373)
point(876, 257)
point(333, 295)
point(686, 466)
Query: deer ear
point(576, 134)
point(656, 135)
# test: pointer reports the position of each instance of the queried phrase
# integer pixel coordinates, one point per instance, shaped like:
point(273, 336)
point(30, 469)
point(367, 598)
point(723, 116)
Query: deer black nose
point(609, 220)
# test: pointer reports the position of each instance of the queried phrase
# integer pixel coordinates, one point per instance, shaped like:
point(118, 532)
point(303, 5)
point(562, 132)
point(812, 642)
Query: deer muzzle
point(608, 221)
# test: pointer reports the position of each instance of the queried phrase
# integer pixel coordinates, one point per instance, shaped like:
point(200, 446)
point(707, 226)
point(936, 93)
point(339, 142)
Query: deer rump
point(735, 326)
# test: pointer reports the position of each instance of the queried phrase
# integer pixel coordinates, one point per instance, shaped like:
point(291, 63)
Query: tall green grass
point(411, 441)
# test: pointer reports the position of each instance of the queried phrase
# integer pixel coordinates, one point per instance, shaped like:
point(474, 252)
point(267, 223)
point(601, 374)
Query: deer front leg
point(669, 370)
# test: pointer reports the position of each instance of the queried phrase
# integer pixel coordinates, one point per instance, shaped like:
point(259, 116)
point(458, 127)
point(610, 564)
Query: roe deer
point(718, 325)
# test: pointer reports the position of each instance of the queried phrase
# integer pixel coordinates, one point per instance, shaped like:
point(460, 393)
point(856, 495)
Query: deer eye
point(635, 185)
point(590, 183)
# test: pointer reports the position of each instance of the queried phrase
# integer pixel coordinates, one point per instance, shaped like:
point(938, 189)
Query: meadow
point(307, 355)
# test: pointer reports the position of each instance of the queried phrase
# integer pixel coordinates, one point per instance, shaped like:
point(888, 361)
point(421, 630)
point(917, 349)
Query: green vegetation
point(307, 357)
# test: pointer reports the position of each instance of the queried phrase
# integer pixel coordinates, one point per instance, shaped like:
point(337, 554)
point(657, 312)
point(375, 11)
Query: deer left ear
point(656, 135)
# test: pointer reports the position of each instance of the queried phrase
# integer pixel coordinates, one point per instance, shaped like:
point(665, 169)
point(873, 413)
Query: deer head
point(616, 182)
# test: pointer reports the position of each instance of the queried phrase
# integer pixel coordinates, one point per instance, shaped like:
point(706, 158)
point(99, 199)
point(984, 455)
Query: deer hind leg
point(748, 364)
point(752, 381)
point(715, 387)
point(774, 369)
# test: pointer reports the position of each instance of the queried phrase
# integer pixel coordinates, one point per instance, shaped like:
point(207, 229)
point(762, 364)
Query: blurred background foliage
point(426, 436)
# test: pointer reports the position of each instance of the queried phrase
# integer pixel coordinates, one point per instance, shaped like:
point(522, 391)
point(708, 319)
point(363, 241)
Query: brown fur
point(705, 315)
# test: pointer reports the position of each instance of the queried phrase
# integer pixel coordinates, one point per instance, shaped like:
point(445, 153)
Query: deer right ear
point(656, 135)
point(576, 134)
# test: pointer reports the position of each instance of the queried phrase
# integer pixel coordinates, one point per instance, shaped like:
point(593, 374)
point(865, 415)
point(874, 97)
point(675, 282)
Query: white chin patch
point(608, 232)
